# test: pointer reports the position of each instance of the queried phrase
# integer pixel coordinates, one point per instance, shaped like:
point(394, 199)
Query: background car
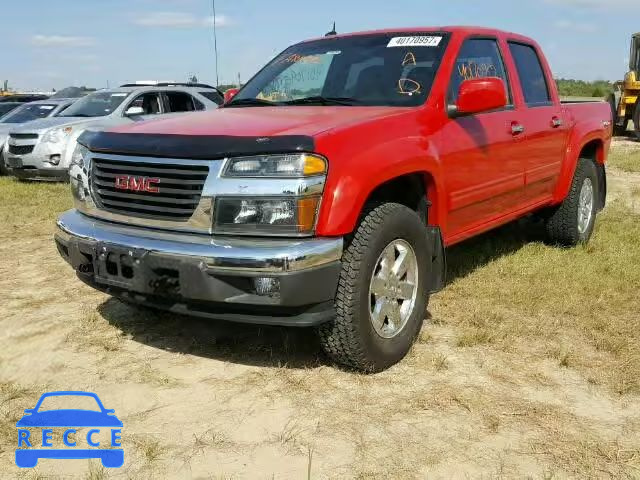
point(23, 97)
point(27, 112)
point(42, 149)
point(6, 107)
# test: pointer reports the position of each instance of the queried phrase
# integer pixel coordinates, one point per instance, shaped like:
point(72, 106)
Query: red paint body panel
point(479, 173)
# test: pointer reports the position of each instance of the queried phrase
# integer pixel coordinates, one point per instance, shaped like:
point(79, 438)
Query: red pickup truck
point(325, 191)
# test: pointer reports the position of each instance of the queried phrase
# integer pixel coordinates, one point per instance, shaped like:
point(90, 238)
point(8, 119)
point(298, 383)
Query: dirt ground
point(528, 366)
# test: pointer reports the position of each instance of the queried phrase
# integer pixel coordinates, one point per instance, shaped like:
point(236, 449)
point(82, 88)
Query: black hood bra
point(197, 147)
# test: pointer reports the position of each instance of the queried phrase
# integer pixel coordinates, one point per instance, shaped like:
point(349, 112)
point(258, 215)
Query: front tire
point(382, 291)
point(572, 222)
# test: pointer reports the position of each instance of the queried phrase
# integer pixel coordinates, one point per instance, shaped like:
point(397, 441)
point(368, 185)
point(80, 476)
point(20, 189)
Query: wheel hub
point(393, 288)
point(585, 205)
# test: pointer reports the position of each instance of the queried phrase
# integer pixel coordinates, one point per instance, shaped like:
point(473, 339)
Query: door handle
point(517, 128)
point(556, 122)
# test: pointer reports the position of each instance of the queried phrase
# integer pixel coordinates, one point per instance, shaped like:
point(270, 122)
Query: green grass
point(30, 208)
point(625, 160)
point(577, 306)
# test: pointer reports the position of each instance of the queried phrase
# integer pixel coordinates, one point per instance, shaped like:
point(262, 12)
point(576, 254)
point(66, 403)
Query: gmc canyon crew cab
point(324, 192)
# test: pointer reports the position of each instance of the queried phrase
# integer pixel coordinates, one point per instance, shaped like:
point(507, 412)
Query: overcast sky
point(51, 44)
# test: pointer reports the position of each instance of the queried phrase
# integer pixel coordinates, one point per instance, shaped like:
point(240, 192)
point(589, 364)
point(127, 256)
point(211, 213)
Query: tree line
point(580, 88)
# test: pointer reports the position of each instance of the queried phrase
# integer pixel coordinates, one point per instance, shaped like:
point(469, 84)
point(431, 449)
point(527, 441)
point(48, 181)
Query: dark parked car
point(23, 97)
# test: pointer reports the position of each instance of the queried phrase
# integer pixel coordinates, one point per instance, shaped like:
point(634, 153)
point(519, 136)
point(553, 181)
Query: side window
point(179, 102)
point(149, 102)
point(478, 58)
point(532, 77)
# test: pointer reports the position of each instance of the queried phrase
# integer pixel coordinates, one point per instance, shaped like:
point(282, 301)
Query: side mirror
point(229, 94)
point(134, 111)
point(480, 95)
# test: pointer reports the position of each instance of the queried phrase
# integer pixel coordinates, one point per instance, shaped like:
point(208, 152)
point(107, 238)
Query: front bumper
point(36, 165)
point(44, 174)
point(205, 276)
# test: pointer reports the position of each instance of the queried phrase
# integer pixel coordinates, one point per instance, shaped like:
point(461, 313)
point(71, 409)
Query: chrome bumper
point(217, 254)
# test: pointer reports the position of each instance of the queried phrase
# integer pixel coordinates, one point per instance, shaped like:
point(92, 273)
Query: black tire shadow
point(296, 348)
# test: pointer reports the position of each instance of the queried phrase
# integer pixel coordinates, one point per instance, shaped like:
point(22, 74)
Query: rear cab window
point(478, 58)
point(532, 77)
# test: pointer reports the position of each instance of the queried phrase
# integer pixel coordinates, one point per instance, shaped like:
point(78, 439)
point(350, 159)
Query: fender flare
point(570, 164)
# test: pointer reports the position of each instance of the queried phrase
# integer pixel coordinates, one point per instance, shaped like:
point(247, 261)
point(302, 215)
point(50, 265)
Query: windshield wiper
point(319, 99)
point(250, 102)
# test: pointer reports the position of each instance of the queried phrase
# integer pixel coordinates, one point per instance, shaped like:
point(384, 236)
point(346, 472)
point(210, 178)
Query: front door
point(483, 166)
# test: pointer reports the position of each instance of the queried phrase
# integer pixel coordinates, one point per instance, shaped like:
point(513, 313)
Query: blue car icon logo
point(68, 420)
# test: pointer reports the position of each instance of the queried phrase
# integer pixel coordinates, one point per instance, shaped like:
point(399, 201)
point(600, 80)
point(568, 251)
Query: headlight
point(78, 156)
point(56, 135)
point(287, 165)
point(266, 216)
point(78, 175)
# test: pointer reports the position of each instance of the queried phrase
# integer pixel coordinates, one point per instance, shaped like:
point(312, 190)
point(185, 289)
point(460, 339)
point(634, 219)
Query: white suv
point(42, 149)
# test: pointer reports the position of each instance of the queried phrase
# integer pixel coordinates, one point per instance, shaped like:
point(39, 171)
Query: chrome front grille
point(118, 186)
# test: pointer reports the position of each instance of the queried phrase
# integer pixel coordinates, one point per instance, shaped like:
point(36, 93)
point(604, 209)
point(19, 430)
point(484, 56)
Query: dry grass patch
point(579, 305)
point(625, 159)
point(94, 331)
point(149, 448)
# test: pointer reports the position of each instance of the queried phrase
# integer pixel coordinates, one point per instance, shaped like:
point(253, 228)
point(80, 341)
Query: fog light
point(267, 287)
point(54, 159)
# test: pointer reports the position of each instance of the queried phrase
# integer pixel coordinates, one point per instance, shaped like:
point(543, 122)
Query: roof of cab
point(460, 29)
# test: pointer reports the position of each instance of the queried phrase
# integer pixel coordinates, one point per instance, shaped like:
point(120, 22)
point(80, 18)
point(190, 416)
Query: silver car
point(42, 150)
point(27, 112)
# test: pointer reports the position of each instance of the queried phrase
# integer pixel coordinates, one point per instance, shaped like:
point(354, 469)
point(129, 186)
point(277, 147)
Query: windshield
point(26, 113)
point(7, 107)
point(635, 54)
point(393, 69)
point(67, 402)
point(97, 104)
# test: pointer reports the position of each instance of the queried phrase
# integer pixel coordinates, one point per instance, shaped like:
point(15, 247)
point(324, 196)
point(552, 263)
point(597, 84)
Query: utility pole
point(215, 39)
point(239, 82)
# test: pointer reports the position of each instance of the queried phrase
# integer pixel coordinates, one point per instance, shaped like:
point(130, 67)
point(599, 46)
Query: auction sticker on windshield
point(417, 41)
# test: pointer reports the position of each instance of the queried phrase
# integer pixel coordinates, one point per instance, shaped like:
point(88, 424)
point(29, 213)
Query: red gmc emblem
point(137, 184)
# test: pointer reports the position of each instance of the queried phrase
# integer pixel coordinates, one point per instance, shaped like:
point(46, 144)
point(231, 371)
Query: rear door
point(483, 166)
point(176, 102)
point(546, 131)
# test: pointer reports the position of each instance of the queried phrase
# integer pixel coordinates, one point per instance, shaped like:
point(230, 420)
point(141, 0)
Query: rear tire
point(370, 332)
point(572, 222)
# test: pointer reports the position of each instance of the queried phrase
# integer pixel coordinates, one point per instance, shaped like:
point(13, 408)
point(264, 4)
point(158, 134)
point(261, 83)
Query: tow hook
point(85, 268)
